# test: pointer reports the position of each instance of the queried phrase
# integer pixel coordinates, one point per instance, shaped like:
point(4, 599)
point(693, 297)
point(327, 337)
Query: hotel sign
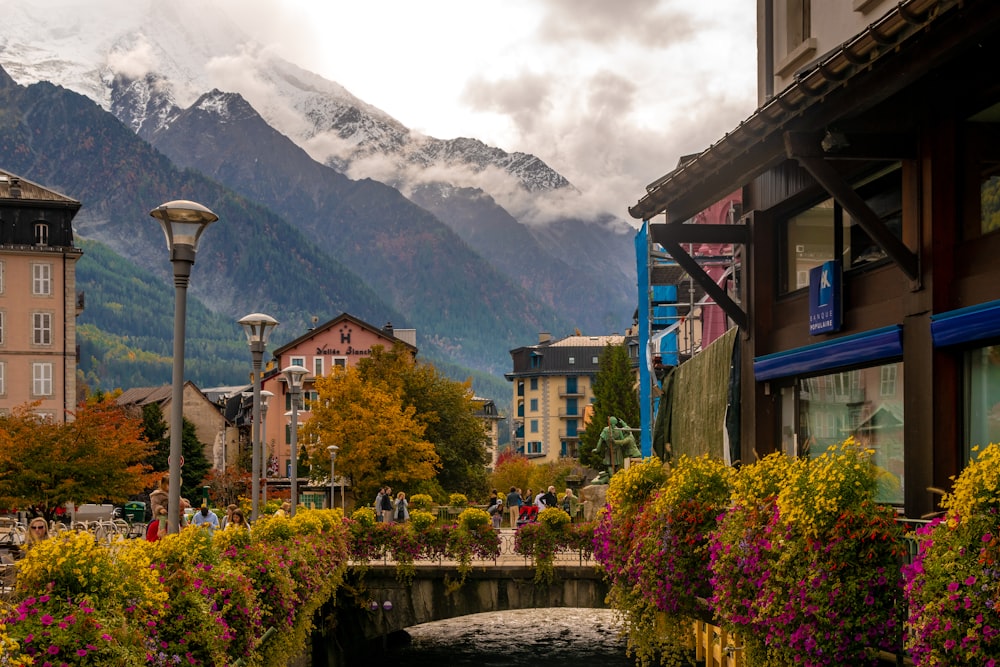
point(825, 295)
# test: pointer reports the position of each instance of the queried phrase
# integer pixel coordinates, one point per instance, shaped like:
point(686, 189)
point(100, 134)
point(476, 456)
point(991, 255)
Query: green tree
point(614, 396)
point(445, 408)
point(380, 438)
point(196, 466)
point(99, 456)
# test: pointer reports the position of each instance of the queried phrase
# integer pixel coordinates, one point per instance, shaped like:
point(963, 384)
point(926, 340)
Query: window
point(309, 399)
point(2, 325)
point(536, 360)
point(41, 279)
point(41, 328)
point(982, 196)
point(41, 374)
point(288, 401)
point(318, 366)
point(298, 361)
point(982, 398)
point(534, 447)
point(534, 426)
point(534, 405)
point(596, 360)
point(572, 360)
point(41, 233)
point(3, 378)
point(571, 407)
point(888, 385)
point(2, 268)
point(867, 403)
point(825, 231)
point(571, 386)
point(572, 428)
point(534, 384)
point(338, 362)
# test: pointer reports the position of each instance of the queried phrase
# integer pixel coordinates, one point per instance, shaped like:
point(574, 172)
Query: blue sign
point(825, 298)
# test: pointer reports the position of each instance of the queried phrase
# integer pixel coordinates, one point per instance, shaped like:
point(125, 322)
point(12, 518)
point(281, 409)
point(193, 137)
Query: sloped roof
point(22, 190)
point(322, 328)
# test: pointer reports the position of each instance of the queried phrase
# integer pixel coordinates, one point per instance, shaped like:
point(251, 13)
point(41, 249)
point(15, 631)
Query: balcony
point(566, 393)
point(575, 437)
point(567, 414)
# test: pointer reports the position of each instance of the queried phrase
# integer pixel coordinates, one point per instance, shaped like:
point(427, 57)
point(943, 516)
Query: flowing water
point(534, 637)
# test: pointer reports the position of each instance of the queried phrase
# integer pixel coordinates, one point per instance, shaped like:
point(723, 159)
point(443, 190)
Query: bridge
point(381, 605)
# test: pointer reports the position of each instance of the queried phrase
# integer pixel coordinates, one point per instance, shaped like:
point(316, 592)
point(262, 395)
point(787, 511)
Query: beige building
point(486, 411)
point(552, 387)
point(218, 436)
point(38, 299)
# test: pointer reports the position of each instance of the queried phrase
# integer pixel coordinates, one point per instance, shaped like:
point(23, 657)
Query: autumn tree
point(380, 439)
point(99, 456)
point(614, 396)
point(445, 408)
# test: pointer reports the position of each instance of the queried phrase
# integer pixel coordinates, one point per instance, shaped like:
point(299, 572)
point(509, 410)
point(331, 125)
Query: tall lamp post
point(333, 449)
point(294, 376)
point(183, 223)
point(258, 327)
point(265, 396)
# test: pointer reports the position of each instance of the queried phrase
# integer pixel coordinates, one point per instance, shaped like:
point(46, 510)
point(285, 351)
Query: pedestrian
point(38, 531)
point(157, 528)
point(284, 510)
point(237, 521)
point(206, 518)
point(549, 498)
point(496, 513)
point(387, 505)
point(401, 512)
point(538, 502)
point(378, 503)
point(514, 505)
point(570, 504)
point(158, 498)
point(229, 514)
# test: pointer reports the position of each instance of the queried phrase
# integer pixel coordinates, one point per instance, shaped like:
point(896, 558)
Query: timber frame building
point(868, 298)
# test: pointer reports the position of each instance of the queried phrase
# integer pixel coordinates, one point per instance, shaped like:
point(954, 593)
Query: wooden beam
point(689, 264)
point(695, 233)
point(800, 146)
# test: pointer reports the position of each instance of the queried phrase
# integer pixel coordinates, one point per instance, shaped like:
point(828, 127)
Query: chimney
point(387, 329)
point(15, 187)
point(544, 337)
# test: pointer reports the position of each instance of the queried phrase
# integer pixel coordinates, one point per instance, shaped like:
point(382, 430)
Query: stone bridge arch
point(434, 595)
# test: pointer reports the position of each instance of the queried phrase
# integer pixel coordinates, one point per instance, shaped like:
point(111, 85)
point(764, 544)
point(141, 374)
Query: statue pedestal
point(593, 497)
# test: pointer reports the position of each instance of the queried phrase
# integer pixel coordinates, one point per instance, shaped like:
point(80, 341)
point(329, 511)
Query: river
point(534, 637)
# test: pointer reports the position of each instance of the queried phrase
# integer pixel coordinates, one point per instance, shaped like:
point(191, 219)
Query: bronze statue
point(615, 444)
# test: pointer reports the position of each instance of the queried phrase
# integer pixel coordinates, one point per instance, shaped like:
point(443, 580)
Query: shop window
point(825, 231)
point(982, 198)
point(822, 411)
point(982, 400)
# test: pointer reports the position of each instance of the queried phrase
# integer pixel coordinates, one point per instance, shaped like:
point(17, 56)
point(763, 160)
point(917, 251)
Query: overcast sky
point(608, 92)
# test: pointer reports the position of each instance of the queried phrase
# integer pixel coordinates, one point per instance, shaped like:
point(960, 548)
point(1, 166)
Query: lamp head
point(183, 222)
point(264, 396)
point(294, 376)
point(258, 327)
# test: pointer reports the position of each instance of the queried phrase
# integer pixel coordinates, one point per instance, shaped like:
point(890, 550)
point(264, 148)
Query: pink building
point(340, 342)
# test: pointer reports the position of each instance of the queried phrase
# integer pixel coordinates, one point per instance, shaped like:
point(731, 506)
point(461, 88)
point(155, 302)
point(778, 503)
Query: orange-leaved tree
point(99, 456)
point(381, 441)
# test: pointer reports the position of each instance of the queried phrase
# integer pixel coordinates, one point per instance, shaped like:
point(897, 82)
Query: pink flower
point(46, 620)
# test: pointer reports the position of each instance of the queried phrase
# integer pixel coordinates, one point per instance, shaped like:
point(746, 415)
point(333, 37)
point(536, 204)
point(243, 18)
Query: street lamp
point(333, 475)
point(265, 396)
point(183, 223)
point(294, 376)
point(258, 327)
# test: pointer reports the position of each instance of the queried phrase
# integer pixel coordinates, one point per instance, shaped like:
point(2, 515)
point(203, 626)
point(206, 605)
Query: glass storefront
point(867, 403)
point(982, 398)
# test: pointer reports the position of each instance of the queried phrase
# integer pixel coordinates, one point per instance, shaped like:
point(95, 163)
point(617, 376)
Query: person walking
point(496, 513)
point(387, 505)
point(401, 512)
point(570, 504)
point(378, 504)
point(514, 505)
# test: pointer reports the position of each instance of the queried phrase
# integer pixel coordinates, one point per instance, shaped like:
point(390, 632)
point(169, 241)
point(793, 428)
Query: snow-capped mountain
point(149, 62)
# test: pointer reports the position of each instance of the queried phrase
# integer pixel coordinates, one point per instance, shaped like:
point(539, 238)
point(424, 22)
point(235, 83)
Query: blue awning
point(966, 325)
point(877, 344)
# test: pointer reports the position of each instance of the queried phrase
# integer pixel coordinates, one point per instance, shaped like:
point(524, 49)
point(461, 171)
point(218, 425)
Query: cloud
point(649, 22)
point(135, 62)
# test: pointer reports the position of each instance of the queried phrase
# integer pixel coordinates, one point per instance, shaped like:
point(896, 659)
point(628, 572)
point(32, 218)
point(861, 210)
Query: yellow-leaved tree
point(381, 441)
